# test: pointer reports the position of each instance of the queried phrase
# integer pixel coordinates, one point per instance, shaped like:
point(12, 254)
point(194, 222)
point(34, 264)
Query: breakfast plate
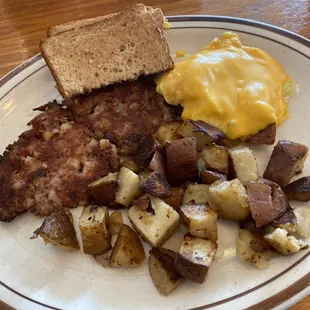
point(34, 276)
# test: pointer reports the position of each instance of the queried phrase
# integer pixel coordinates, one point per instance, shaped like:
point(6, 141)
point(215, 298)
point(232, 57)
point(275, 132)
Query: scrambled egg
point(236, 88)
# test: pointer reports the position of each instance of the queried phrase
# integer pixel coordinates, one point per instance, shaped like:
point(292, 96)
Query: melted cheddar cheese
point(236, 88)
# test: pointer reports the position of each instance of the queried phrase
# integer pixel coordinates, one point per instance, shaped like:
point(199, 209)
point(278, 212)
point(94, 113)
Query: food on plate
point(145, 51)
point(116, 222)
point(128, 250)
point(210, 177)
point(145, 151)
point(267, 201)
point(303, 221)
point(181, 161)
point(286, 221)
point(129, 163)
point(158, 163)
point(252, 96)
point(298, 190)
point(167, 132)
point(216, 158)
point(200, 220)
point(175, 198)
point(202, 132)
point(157, 225)
point(47, 175)
point(230, 199)
point(198, 193)
point(284, 243)
point(252, 249)
point(244, 165)
point(156, 185)
point(128, 187)
point(103, 259)
point(125, 113)
point(118, 141)
point(102, 191)
point(94, 225)
point(162, 271)
point(286, 161)
point(194, 258)
point(264, 136)
point(58, 229)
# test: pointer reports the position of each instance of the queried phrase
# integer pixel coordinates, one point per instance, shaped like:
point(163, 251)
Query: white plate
point(35, 276)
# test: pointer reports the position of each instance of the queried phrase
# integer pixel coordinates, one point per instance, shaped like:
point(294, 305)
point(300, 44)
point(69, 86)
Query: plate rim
point(301, 283)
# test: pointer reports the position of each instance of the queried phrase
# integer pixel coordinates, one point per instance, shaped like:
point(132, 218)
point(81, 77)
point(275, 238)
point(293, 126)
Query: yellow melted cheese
point(236, 88)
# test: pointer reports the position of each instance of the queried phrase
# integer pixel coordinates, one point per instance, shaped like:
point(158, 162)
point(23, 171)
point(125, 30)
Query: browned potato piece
point(229, 198)
point(143, 204)
point(175, 199)
point(128, 250)
point(216, 158)
point(95, 230)
point(156, 224)
point(167, 132)
point(298, 190)
point(286, 221)
point(58, 229)
point(229, 143)
point(103, 259)
point(198, 193)
point(284, 243)
point(267, 201)
point(162, 271)
point(128, 187)
point(210, 177)
point(146, 149)
point(264, 136)
point(158, 163)
point(116, 222)
point(200, 220)
point(182, 161)
point(202, 132)
point(253, 249)
point(250, 225)
point(156, 185)
point(194, 258)
point(130, 164)
point(286, 161)
point(102, 192)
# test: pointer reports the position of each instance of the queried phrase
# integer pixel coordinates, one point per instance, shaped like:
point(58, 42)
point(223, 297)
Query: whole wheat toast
point(91, 54)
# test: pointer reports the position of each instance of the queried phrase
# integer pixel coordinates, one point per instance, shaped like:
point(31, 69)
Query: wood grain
point(24, 23)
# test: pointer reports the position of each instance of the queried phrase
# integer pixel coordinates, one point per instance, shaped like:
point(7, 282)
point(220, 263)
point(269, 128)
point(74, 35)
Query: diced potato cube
point(162, 271)
point(94, 226)
point(194, 258)
point(128, 250)
point(230, 199)
point(199, 193)
point(216, 158)
point(116, 222)
point(167, 132)
point(157, 226)
point(200, 220)
point(245, 165)
point(128, 187)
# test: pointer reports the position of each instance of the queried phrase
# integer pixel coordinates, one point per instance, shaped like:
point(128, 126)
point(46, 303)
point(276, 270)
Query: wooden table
point(24, 23)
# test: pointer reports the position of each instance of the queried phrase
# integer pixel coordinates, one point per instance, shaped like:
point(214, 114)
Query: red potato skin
point(298, 190)
point(158, 163)
point(181, 158)
point(267, 201)
point(264, 136)
point(285, 162)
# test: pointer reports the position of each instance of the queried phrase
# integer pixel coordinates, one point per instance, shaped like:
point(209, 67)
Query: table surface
point(24, 23)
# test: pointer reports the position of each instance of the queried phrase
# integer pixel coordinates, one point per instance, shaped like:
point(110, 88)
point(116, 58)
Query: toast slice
point(91, 54)
point(156, 13)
